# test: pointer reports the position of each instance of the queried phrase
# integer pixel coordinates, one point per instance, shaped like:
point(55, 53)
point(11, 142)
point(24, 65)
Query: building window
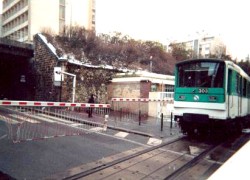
point(153, 88)
point(62, 12)
point(169, 88)
point(62, 2)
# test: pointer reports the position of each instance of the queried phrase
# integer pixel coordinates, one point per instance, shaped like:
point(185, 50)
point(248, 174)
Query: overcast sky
point(168, 20)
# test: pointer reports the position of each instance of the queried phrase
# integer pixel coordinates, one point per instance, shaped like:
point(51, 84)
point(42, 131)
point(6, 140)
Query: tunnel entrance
point(16, 77)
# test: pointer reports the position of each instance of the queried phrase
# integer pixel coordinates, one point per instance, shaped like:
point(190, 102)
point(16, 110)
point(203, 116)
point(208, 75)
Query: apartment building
point(204, 46)
point(21, 19)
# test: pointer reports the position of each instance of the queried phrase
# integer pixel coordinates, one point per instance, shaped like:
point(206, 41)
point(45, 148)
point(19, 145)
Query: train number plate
point(203, 90)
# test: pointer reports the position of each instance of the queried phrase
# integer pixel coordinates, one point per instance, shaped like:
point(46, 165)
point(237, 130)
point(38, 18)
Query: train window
point(238, 84)
point(201, 74)
point(248, 89)
point(229, 85)
point(244, 88)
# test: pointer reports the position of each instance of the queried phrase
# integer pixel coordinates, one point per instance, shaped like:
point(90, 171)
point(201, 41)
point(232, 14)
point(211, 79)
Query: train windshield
point(201, 74)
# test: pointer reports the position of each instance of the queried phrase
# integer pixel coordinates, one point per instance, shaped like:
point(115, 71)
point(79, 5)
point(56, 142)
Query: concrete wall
point(123, 90)
point(135, 89)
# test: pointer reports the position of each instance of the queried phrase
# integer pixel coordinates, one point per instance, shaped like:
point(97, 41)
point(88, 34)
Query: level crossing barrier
point(30, 120)
point(139, 109)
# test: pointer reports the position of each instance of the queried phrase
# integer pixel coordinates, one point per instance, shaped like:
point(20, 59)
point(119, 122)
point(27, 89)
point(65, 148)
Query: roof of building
point(137, 76)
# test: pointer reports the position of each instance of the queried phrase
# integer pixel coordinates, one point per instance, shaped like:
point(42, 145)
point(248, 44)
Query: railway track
point(158, 162)
point(161, 162)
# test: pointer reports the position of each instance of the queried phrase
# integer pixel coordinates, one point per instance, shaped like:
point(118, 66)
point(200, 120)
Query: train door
point(239, 92)
point(233, 101)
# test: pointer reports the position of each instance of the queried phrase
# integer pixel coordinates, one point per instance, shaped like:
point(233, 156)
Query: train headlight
point(212, 98)
point(182, 97)
point(196, 98)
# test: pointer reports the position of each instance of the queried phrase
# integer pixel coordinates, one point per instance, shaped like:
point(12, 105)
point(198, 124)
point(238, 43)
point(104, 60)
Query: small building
point(139, 84)
point(142, 84)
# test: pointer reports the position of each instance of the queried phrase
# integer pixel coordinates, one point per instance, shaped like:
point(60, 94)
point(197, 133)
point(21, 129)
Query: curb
point(131, 131)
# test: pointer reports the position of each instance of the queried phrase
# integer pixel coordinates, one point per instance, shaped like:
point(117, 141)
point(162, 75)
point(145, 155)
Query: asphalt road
point(42, 158)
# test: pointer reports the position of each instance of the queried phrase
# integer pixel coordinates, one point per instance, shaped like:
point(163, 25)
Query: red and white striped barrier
point(51, 104)
point(170, 100)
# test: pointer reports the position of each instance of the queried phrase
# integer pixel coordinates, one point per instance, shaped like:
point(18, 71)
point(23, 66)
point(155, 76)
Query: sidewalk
point(150, 126)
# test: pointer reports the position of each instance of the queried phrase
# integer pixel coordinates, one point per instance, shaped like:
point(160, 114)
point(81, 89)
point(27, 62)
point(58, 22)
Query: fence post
point(120, 114)
point(139, 117)
point(171, 120)
point(161, 121)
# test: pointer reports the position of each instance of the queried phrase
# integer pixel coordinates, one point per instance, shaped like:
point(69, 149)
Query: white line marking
point(76, 124)
point(121, 134)
point(96, 129)
point(8, 120)
point(154, 141)
point(2, 137)
point(56, 119)
point(24, 118)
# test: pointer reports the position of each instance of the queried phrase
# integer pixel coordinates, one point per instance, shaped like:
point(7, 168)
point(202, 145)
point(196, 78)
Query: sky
point(169, 20)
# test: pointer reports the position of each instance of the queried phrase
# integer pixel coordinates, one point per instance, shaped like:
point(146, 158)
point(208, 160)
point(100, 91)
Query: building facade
point(203, 47)
point(22, 19)
point(139, 84)
point(142, 84)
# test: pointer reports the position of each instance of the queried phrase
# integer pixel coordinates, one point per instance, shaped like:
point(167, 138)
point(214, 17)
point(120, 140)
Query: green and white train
point(211, 95)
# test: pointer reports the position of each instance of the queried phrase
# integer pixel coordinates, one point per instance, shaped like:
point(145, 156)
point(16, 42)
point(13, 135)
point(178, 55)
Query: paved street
point(38, 159)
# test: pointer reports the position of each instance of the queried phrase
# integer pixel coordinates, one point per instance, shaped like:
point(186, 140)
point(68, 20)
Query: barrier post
point(105, 124)
point(161, 121)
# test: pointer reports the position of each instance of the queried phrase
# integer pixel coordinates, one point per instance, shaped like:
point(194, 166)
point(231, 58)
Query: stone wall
point(44, 63)
point(89, 80)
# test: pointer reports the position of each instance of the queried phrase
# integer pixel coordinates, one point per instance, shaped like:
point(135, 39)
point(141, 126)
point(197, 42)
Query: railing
point(29, 120)
point(140, 109)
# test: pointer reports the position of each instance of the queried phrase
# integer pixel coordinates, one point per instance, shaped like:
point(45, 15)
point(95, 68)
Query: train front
point(199, 100)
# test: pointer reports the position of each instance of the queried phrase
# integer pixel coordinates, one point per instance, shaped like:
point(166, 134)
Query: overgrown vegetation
point(122, 51)
point(117, 50)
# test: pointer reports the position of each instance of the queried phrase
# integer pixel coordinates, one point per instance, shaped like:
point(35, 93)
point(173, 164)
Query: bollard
point(161, 121)
point(105, 124)
point(171, 120)
point(139, 117)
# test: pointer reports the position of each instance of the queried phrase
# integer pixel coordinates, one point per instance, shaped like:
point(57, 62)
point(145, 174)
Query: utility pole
point(151, 64)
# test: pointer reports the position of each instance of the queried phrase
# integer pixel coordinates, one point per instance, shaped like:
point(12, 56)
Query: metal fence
point(140, 109)
point(28, 120)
